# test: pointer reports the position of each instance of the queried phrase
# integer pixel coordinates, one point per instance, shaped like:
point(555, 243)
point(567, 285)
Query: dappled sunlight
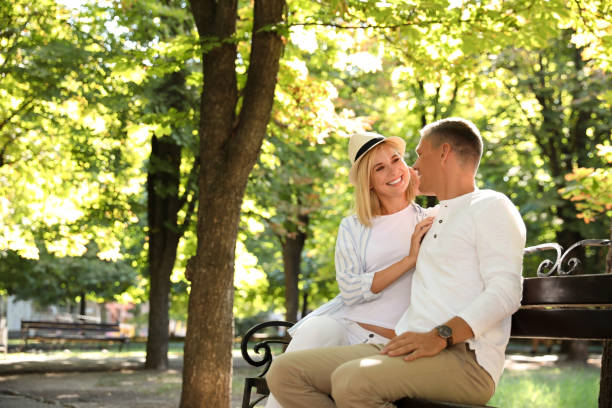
point(523, 362)
point(246, 273)
point(304, 39)
point(369, 362)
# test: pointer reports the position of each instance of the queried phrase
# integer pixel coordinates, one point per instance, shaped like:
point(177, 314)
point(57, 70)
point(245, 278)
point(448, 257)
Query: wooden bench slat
point(64, 332)
point(34, 324)
point(568, 290)
point(586, 324)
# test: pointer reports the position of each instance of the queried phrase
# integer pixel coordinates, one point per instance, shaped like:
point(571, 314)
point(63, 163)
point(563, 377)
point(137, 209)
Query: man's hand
point(415, 345)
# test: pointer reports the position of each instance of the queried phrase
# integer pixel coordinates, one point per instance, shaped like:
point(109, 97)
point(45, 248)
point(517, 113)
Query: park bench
point(66, 332)
point(566, 306)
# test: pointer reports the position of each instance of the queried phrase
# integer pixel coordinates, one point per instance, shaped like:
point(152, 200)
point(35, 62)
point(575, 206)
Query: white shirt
point(389, 242)
point(352, 273)
point(470, 265)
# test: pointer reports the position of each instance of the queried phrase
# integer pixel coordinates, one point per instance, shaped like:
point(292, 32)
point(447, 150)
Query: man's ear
point(445, 152)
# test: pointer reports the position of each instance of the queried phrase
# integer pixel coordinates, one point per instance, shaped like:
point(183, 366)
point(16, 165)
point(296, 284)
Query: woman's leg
point(318, 331)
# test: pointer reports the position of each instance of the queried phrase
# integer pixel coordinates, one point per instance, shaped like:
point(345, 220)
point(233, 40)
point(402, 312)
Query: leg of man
point(359, 376)
point(452, 375)
point(318, 331)
point(302, 379)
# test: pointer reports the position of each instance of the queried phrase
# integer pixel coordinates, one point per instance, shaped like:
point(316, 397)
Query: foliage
point(553, 115)
point(84, 90)
point(294, 187)
point(591, 188)
point(59, 280)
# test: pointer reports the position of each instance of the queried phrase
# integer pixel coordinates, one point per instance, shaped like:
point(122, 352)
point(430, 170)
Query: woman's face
point(389, 177)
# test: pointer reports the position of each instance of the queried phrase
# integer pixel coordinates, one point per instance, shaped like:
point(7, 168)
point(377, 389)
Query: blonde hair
point(367, 203)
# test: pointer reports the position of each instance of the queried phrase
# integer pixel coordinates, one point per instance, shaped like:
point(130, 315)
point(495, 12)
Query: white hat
point(363, 142)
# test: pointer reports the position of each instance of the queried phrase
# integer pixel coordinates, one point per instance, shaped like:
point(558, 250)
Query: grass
point(562, 386)
point(528, 383)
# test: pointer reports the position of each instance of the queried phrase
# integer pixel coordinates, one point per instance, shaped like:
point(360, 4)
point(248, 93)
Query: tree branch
point(23, 106)
point(266, 48)
point(203, 12)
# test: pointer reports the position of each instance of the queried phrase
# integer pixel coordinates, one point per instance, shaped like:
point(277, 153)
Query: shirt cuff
point(473, 323)
point(366, 287)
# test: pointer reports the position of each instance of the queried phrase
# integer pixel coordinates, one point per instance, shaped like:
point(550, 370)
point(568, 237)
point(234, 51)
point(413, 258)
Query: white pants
point(325, 331)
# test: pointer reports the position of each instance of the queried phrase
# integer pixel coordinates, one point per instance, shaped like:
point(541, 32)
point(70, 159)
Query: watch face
point(445, 331)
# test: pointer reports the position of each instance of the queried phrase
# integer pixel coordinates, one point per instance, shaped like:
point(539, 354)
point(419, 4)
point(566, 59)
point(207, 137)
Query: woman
point(374, 257)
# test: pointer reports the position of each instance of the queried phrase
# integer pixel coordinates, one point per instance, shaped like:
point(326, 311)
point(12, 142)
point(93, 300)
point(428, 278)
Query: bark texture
point(605, 384)
point(292, 245)
point(229, 146)
point(162, 209)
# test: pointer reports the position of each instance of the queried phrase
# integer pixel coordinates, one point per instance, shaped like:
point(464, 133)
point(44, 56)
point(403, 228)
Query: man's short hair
point(461, 134)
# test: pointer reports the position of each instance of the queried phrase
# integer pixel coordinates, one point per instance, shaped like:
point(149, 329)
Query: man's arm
point(417, 345)
point(500, 242)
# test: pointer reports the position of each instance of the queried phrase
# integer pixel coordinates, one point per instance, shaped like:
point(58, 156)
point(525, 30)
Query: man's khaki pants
point(359, 376)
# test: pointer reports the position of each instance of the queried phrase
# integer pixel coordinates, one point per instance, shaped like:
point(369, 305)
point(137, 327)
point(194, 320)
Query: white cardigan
point(354, 283)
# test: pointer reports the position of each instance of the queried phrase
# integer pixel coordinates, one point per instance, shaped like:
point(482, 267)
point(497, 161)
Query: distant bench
point(65, 332)
point(577, 307)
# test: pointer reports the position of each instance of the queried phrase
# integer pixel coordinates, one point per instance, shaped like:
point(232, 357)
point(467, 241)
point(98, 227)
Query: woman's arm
point(390, 274)
point(353, 281)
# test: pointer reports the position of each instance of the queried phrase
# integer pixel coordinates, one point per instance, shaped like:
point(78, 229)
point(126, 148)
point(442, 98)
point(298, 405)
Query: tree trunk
point(83, 305)
point(304, 303)
point(293, 244)
point(163, 206)
point(605, 384)
point(229, 147)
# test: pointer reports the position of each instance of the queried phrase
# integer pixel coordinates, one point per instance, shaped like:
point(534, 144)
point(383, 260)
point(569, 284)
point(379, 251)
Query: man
point(468, 282)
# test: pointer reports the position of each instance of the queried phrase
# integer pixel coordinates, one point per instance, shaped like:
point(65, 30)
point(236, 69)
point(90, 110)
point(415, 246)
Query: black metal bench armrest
point(264, 345)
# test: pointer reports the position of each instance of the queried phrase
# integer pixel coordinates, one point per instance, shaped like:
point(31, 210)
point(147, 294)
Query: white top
point(389, 242)
point(470, 265)
point(352, 272)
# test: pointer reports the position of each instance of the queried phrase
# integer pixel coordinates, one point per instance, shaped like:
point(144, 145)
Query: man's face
point(427, 165)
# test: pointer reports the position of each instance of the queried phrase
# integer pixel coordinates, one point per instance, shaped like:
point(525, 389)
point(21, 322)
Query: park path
point(91, 381)
point(110, 380)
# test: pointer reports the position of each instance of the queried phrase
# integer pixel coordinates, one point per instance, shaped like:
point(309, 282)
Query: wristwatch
point(446, 333)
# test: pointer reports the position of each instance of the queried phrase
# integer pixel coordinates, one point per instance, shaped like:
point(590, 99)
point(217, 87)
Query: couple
point(433, 328)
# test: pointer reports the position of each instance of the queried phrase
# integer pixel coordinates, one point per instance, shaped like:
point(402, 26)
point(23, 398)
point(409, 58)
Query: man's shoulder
point(492, 204)
point(486, 197)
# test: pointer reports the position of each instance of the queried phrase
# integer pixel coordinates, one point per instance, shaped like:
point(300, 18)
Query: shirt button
point(435, 235)
point(440, 221)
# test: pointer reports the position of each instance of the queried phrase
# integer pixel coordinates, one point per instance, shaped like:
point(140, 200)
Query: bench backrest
point(565, 307)
point(69, 326)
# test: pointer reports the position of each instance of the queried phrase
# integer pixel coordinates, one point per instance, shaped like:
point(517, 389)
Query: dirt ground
point(97, 381)
point(105, 380)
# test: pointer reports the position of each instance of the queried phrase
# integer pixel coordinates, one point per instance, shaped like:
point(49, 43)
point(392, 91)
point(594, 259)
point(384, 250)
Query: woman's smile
point(395, 181)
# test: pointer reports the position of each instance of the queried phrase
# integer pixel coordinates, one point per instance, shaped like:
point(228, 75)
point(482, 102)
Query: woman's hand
point(417, 236)
point(387, 276)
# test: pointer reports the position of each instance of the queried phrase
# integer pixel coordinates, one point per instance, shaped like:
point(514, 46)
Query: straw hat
point(361, 143)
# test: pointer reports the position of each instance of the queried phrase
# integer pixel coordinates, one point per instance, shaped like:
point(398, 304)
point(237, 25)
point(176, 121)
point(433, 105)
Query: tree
point(591, 191)
point(59, 280)
point(230, 138)
point(158, 57)
point(289, 186)
point(233, 126)
point(58, 163)
point(605, 383)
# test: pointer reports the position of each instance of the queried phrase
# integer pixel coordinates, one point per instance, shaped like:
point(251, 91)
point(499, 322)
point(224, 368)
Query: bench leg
point(246, 396)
